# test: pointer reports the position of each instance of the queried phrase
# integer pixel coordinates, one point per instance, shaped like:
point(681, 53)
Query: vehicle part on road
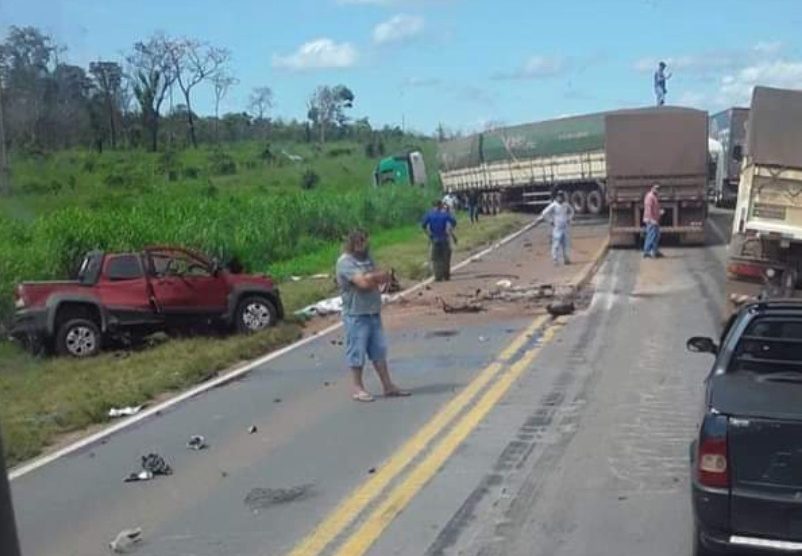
point(252, 429)
point(560, 308)
point(136, 477)
point(505, 284)
point(255, 313)
point(464, 308)
point(522, 293)
point(262, 498)
point(125, 411)
point(197, 442)
point(441, 333)
point(79, 338)
point(126, 540)
point(156, 465)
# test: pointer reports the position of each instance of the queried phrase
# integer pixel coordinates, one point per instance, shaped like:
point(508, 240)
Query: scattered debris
point(463, 308)
point(261, 498)
point(124, 411)
point(252, 429)
point(560, 308)
point(527, 244)
point(482, 339)
point(520, 293)
point(136, 477)
point(505, 284)
point(197, 442)
point(441, 333)
point(276, 400)
point(319, 276)
point(327, 383)
point(156, 465)
point(224, 474)
point(126, 540)
point(371, 471)
point(295, 278)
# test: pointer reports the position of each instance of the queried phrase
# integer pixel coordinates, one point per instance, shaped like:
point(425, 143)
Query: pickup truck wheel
point(78, 338)
point(255, 313)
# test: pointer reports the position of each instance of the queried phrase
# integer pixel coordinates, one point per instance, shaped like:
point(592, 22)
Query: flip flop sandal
point(362, 397)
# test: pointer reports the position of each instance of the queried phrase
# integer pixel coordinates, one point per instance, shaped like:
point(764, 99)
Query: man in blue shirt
point(438, 223)
point(660, 78)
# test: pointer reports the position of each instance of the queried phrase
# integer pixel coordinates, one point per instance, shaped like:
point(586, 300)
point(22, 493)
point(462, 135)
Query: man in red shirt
point(651, 218)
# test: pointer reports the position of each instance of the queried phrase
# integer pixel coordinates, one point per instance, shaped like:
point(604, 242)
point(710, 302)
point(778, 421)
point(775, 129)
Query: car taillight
point(713, 468)
point(746, 270)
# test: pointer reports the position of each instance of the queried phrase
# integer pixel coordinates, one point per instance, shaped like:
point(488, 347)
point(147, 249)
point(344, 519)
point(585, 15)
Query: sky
point(465, 64)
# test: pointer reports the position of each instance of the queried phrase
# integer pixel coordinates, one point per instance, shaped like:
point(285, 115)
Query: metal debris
point(560, 308)
point(197, 442)
point(137, 477)
point(262, 498)
point(252, 429)
point(441, 333)
point(462, 308)
point(126, 540)
point(125, 411)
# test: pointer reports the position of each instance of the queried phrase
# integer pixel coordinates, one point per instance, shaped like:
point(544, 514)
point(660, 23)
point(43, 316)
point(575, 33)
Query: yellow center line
point(350, 508)
point(370, 530)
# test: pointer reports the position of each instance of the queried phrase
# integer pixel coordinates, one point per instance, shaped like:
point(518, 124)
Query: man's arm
point(546, 213)
point(369, 280)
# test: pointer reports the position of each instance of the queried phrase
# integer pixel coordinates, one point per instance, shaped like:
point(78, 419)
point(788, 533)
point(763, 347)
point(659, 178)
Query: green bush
point(222, 164)
point(191, 173)
point(309, 180)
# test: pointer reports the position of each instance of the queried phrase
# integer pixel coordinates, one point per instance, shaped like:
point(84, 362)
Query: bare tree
point(222, 82)
point(193, 62)
point(261, 101)
point(108, 77)
point(5, 183)
point(327, 105)
point(152, 76)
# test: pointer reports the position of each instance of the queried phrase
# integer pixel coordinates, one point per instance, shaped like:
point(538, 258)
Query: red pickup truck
point(135, 294)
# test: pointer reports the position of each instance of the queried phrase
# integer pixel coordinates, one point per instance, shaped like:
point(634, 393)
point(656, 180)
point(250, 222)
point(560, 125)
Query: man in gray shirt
point(360, 281)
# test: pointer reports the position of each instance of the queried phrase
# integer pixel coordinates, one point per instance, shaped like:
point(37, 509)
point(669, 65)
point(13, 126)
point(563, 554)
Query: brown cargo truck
point(665, 145)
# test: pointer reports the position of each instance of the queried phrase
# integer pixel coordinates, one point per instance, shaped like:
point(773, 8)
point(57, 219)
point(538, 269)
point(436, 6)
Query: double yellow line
point(377, 521)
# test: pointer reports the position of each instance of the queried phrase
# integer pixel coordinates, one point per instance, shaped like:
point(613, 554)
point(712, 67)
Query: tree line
point(48, 104)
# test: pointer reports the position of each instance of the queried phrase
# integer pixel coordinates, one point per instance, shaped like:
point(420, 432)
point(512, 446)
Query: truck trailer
point(728, 129)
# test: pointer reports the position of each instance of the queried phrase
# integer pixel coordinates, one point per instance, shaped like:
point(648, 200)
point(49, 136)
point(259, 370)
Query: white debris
point(295, 278)
point(124, 411)
point(125, 540)
point(504, 284)
point(331, 306)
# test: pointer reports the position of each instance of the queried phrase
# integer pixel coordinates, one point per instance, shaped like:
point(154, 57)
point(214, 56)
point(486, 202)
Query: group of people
point(361, 282)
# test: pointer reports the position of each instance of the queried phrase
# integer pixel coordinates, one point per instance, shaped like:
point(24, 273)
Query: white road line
point(37, 463)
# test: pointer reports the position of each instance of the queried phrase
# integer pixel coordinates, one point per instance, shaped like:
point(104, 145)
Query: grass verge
point(42, 399)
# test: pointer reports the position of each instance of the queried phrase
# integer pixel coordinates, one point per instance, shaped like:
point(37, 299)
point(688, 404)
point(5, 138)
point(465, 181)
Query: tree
point(261, 101)
point(67, 101)
point(108, 79)
point(152, 77)
point(222, 82)
point(192, 63)
point(327, 105)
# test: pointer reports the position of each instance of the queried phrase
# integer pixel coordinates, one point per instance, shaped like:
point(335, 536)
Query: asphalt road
point(575, 443)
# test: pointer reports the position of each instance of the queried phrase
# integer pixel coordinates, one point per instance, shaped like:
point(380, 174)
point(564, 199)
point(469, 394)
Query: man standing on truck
point(651, 218)
point(561, 215)
point(660, 78)
point(359, 281)
point(438, 224)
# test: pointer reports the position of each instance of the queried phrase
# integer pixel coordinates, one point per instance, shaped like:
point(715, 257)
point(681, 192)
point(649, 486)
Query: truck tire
point(78, 338)
point(255, 313)
point(579, 200)
point(595, 202)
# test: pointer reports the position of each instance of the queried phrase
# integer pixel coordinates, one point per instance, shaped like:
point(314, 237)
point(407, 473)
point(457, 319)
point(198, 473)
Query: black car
point(746, 463)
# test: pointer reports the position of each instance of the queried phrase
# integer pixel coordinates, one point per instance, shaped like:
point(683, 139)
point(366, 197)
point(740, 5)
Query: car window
point(124, 267)
point(177, 264)
point(769, 344)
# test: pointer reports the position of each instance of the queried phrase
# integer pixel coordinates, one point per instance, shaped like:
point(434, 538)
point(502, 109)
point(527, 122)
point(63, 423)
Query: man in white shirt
point(561, 215)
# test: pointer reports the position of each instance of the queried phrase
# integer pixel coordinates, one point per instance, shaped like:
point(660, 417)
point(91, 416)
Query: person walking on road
point(438, 224)
point(473, 206)
point(561, 215)
point(651, 219)
point(660, 78)
point(360, 281)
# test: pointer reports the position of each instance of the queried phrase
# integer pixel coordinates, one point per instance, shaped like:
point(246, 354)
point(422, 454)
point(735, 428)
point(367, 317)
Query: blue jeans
point(473, 211)
point(560, 244)
point(652, 242)
point(364, 339)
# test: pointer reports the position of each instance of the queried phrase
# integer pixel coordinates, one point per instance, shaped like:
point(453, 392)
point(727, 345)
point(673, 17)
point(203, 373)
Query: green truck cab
point(403, 169)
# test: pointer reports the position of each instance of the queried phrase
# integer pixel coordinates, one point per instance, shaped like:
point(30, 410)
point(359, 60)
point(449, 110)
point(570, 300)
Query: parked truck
point(728, 129)
point(521, 166)
point(664, 145)
point(765, 253)
point(401, 169)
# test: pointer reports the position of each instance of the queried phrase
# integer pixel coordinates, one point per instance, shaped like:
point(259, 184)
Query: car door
point(186, 284)
point(123, 290)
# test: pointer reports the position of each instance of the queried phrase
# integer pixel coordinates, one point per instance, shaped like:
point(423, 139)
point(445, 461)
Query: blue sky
point(466, 63)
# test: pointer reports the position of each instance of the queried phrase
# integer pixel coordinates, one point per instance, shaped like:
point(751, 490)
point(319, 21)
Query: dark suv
point(747, 460)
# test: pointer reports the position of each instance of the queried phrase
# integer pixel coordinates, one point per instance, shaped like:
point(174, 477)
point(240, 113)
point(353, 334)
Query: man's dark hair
point(354, 237)
point(662, 64)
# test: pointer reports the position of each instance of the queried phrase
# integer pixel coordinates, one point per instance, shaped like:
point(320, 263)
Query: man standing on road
point(561, 215)
point(473, 205)
point(660, 78)
point(651, 218)
point(359, 281)
point(438, 224)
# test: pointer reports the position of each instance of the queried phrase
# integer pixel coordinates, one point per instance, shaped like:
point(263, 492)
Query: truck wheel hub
point(256, 316)
point(81, 341)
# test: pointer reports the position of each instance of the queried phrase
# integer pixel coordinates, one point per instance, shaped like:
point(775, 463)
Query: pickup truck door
point(123, 290)
point(184, 285)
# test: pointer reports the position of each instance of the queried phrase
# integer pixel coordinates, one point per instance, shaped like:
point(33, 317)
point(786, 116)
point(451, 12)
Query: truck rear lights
point(713, 469)
point(746, 270)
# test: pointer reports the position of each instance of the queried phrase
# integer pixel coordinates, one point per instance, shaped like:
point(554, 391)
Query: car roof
point(784, 306)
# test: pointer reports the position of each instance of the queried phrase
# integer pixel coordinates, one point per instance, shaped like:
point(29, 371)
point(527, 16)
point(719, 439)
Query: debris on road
point(560, 308)
point(137, 477)
point(504, 284)
point(482, 339)
point(521, 293)
point(441, 333)
point(197, 442)
point(262, 498)
point(124, 411)
point(463, 308)
point(156, 465)
point(276, 400)
point(371, 471)
point(252, 429)
point(126, 540)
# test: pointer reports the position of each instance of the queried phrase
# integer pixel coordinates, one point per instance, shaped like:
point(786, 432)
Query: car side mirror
point(737, 153)
point(701, 344)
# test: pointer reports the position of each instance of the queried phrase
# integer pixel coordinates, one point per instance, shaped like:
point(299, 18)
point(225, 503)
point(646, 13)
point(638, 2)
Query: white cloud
point(536, 67)
point(736, 88)
point(768, 47)
point(398, 28)
point(318, 54)
point(421, 82)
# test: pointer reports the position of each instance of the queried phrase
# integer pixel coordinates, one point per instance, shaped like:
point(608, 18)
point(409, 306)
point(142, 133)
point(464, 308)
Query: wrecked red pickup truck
point(134, 294)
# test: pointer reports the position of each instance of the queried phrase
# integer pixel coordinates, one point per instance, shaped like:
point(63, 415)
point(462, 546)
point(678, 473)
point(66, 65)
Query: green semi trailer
point(401, 169)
